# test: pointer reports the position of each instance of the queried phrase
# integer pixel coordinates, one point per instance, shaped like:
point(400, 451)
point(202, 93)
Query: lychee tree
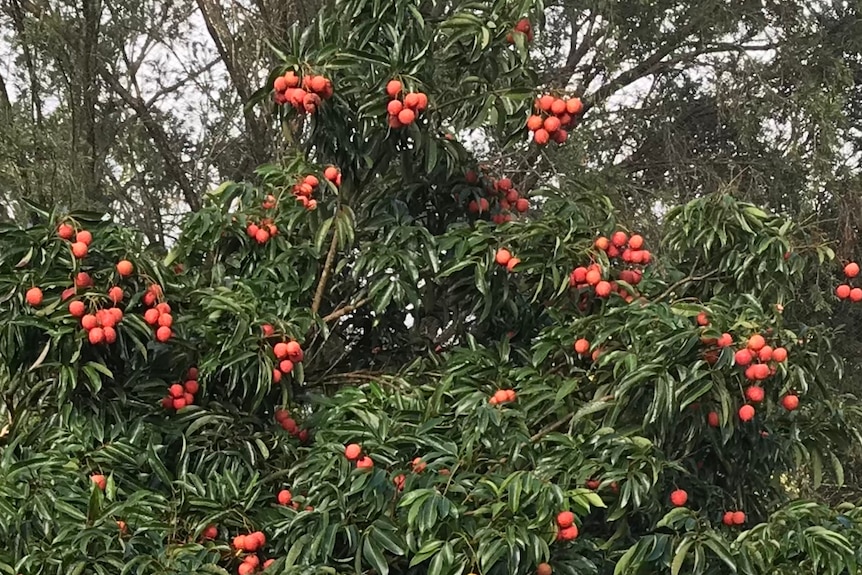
point(380, 357)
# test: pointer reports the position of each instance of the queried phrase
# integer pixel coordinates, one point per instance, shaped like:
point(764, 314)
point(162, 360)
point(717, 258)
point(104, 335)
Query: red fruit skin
point(727, 518)
point(163, 334)
point(565, 519)
point(99, 480)
point(679, 497)
point(365, 463)
point(568, 534)
point(210, 532)
point(738, 517)
point(284, 497)
point(790, 402)
point(352, 451)
point(746, 413)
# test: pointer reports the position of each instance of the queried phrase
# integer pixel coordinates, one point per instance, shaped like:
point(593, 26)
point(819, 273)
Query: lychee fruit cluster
point(353, 452)
point(503, 396)
point(251, 544)
point(314, 90)
point(501, 198)
point(263, 231)
point(101, 325)
point(288, 355)
point(403, 112)
point(418, 465)
point(159, 315)
point(182, 394)
point(566, 528)
point(846, 291)
point(504, 257)
point(731, 518)
point(303, 190)
point(289, 424)
point(552, 118)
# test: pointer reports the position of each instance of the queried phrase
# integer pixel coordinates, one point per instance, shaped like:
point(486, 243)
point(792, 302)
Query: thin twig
point(552, 427)
point(687, 279)
point(346, 310)
point(324, 276)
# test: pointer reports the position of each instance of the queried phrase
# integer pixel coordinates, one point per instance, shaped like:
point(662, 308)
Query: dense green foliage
point(409, 328)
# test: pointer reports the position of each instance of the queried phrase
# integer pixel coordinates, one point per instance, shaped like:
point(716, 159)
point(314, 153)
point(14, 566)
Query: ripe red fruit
point(679, 497)
point(280, 350)
point(560, 136)
point(116, 294)
point(790, 402)
point(110, 334)
point(125, 268)
point(365, 463)
point(552, 124)
point(164, 333)
point(34, 296)
point(393, 88)
point(89, 322)
point(151, 316)
point(558, 107)
point(568, 534)
point(742, 357)
point(619, 239)
point(166, 320)
point(765, 353)
point(593, 277)
point(746, 413)
point(727, 518)
point(268, 563)
point(545, 103)
point(331, 173)
point(96, 336)
point(176, 390)
point(394, 107)
point(502, 256)
point(99, 480)
point(712, 419)
point(582, 346)
point(754, 394)
point(534, 123)
point(352, 451)
point(191, 386)
point(702, 319)
point(565, 519)
point(245, 569)
point(285, 366)
point(79, 249)
point(211, 532)
point(636, 242)
point(603, 289)
point(65, 231)
point(406, 116)
point(574, 106)
point(738, 517)
point(851, 270)
point(726, 340)
point(779, 354)
point(842, 291)
point(541, 136)
point(84, 237)
point(262, 236)
point(522, 205)
point(544, 569)
point(411, 100)
point(756, 342)
point(856, 295)
point(512, 263)
point(284, 497)
point(77, 308)
point(294, 351)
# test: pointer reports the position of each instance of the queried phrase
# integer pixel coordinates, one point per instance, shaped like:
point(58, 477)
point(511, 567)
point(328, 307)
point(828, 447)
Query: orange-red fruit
point(574, 106)
point(754, 394)
point(742, 357)
point(393, 88)
point(534, 123)
point(702, 318)
point(851, 270)
point(727, 518)
point(565, 519)
point(84, 237)
point(738, 517)
point(636, 242)
point(765, 353)
point(151, 316)
point(125, 268)
point(712, 419)
point(552, 124)
point(77, 308)
point(726, 340)
point(545, 103)
point(191, 386)
point(558, 107)
point(34, 296)
point(406, 116)
point(522, 205)
point(679, 497)
point(411, 100)
point(746, 413)
point(394, 107)
point(331, 173)
point(541, 136)
point(568, 534)
point(602, 243)
point(164, 333)
point(544, 569)
point(856, 295)
point(352, 451)
point(790, 402)
point(285, 366)
point(110, 334)
point(593, 277)
point(166, 320)
point(99, 480)
point(582, 346)
point(116, 294)
point(280, 350)
point(79, 249)
point(96, 335)
point(756, 342)
point(268, 563)
point(619, 239)
point(211, 532)
point(294, 351)
point(779, 354)
point(284, 497)
point(245, 569)
point(364, 463)
point(503, 256)
point(603, 289)
point(65, 231)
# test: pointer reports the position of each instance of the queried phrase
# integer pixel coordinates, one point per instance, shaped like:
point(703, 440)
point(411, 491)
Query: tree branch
point(685, 280)
point(342, 311)
point(324, 276)
point(158, 136)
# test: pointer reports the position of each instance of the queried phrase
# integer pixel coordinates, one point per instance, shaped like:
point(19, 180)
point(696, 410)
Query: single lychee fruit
point(738, 517)
point(353, 451)
point(99, 480)
point(65, 231)
point(364, 463)
point(79, 250)
point(84, 237)
point(851, 270)
point(756, 342)
point(790, 402)
point(284, 497)
point(544, 569)
point(125, 268)
point(565, 519)
point(34, 296)
point(754, 394)
point(746, 413)
point(713, 419)
point(582, 346)
point(679, 497)
point(503, 256)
